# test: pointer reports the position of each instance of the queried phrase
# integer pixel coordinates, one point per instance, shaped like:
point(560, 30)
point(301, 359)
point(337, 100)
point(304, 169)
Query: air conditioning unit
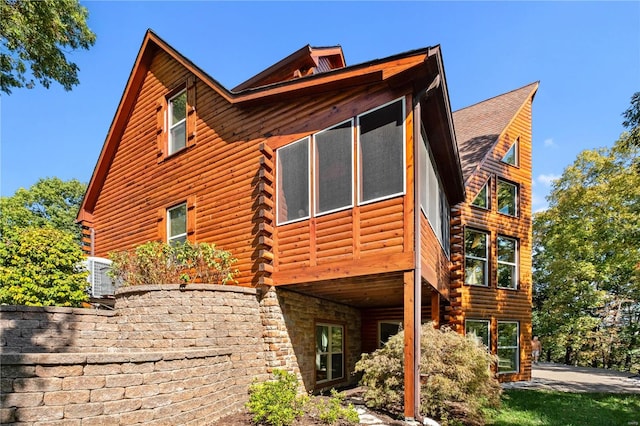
point(102, 285)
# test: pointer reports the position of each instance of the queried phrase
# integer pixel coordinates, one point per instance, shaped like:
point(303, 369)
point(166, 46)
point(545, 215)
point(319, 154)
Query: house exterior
point(347, 193)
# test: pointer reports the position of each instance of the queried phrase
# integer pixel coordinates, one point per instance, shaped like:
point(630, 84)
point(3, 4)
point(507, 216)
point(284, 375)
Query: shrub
point(276, 402)
point(39, 267)
point(334, 410)
point(155, 262)
point(457, 382)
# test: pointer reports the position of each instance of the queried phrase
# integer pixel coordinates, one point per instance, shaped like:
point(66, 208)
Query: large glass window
point(334, 168)
point(177, 224)
point(507, 262)
point(329, 352)
point(482, 199)
point(381, 148)
point(508, 342)
point(293, 181)
point(476, 255)
point(478, 329)
point(177, 122)
point(507, 198)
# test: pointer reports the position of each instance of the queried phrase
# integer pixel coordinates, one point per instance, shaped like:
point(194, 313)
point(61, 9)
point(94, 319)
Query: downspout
point(417, 270)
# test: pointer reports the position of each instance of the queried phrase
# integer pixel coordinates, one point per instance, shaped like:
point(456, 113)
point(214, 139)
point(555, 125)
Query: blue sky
point(586, 56)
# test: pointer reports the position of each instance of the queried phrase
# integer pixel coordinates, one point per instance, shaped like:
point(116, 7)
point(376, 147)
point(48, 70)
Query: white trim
point(487, 197)
point(329, 351)
point(516, 200)
point(516, 153)
point(516, 278)
point(517, 347)
point(397, 322)
point(315, 171)
point(404, 153)
point(309, 189)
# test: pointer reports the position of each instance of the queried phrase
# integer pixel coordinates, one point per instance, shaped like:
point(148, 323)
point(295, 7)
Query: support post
point(409, 348)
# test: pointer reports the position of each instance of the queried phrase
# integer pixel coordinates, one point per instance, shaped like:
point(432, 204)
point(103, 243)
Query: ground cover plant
point(551, 408)
point(457, 382)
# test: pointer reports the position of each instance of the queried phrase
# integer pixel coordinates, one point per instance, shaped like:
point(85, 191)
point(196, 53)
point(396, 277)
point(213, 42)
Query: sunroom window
point(507, 198)
point(293, 182)
point(177, 224)
point(177, 122)
point(329, 352)
point(381, 149)
point(508, 347)
point(476, 255)
point(507, 262)
point(334, 168)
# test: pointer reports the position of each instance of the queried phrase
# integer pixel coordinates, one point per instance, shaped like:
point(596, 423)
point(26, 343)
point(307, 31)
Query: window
point(334, 168)
point(511, 157)
point(293, 181)
point(508, 332)
point(177, 224)
point(507, 262)
point(507, 198)
point(479, 329)
point(386, 329)
point(433, 199)
point(381, 149)
point(475, 257)
point(329, 352)
point(482, 199)
point(177, 122)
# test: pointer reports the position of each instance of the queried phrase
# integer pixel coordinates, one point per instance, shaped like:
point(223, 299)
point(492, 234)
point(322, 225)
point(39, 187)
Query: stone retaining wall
point(167, 354)
point(154, 388)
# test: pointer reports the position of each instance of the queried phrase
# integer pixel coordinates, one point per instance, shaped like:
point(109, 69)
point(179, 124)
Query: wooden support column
point(410, 379)
point(435, 308)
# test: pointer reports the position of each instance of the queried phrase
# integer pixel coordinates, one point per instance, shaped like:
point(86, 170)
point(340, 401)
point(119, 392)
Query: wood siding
point(492, 303)
point(435, 263)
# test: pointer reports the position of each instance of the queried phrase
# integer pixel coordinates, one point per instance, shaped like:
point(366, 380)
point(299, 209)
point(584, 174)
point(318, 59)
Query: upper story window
point(507, 262)
point(507, 198)
point(476, 256)
point(482, 199)
point(334, 168)
point(177, 224)
point(432, 196)
point(292, 185)
point(381, 149)
point(511, 157)
point(177, 113)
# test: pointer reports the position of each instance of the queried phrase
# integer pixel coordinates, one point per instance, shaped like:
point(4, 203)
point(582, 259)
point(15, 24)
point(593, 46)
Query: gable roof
point(478, 127)
point(419, 67)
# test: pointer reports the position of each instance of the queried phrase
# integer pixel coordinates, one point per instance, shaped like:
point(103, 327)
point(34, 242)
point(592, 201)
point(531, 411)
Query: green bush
point(277, 402)
point(39, 267)
point(155, 262)
point(457, 382)
point(334, 410)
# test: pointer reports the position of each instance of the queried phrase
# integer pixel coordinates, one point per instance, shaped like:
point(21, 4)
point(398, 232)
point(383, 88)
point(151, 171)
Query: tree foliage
point(632, 120)
point(40, 267)
point(51, 203)
point(38, 34)
point(587, 261)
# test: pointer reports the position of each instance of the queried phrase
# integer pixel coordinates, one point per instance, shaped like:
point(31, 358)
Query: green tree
point(587, 259)
point(38, 34)
point(632, 120)
point(50, 202)
point(39, 267)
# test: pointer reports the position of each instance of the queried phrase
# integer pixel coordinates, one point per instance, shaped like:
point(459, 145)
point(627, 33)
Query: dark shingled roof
point(479, 126)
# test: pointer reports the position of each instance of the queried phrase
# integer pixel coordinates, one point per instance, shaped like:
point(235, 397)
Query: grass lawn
point(536, 407)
